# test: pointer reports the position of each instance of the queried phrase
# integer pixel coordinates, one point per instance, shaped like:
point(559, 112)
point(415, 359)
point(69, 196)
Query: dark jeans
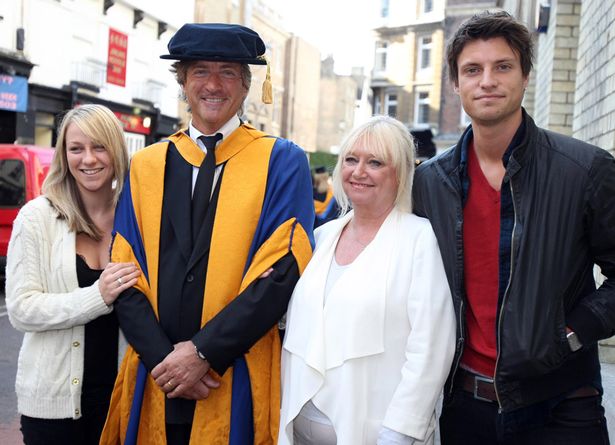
point(84, 431)
point(466, 421)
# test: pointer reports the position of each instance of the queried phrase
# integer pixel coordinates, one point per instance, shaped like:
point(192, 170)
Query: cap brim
point(249, 61)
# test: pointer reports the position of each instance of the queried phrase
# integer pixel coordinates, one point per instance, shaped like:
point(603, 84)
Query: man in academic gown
point(219, 219)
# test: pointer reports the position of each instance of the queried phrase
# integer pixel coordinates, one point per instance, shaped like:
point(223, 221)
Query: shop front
point(143, 123)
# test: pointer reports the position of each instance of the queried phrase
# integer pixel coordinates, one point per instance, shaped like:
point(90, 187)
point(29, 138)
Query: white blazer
point(380, 349)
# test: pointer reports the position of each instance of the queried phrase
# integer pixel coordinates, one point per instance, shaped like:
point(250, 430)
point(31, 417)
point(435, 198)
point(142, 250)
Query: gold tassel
point(267, 96)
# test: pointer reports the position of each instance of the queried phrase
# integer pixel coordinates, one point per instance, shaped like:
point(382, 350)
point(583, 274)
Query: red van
point(22, 171)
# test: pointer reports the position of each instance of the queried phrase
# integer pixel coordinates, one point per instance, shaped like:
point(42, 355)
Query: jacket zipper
point(460, 340)
point(459, 345)
point(512, 250)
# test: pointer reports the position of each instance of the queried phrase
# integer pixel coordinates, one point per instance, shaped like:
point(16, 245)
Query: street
point(10, 339)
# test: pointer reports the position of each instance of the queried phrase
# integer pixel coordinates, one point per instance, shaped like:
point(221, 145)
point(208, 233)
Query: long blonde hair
point(391, 141)
point(99, 124)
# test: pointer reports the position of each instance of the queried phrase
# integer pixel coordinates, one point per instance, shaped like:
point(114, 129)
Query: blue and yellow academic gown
point(263, 217)
point(326, 207)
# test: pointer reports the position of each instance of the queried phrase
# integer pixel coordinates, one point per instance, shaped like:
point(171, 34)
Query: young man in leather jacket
point(522, 214)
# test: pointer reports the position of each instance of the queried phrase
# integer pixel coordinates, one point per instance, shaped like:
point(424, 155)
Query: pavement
point(608, 400)
point(9, 419)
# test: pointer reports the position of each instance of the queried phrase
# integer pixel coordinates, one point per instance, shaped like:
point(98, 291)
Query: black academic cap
point(218, 42)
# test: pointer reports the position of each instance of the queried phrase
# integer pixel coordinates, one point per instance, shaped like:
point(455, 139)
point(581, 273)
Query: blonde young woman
point(370, 327)
point(60, 286)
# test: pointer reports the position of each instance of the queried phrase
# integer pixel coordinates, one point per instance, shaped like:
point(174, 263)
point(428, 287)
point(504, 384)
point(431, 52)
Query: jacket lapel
point(358, 327)
point(178, 182)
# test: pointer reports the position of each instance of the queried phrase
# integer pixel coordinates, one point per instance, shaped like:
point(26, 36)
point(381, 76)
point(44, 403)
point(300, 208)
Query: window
point(377, 104)
point(12, 183)
point(381, 56)
point(424, 53)
point(44, 130)
point(421, 113)
point(390, 104)
point(427, 6)
point(384, 8)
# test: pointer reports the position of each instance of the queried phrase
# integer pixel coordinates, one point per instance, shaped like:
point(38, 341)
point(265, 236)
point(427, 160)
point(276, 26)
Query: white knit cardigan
point(44, 301)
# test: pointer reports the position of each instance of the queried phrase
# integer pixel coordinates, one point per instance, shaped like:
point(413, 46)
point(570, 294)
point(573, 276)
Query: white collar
point(226, 129)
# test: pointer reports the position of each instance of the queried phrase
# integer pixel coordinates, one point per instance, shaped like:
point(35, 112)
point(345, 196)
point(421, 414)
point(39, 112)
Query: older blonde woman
point(370, 327)
point(60, 286)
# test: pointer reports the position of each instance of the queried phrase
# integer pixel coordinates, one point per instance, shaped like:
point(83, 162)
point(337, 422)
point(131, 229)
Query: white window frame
point(377, 104)
point(420, 102)
point(389, 102)
point(424, 8)
point(380, 62)
point(423, 47)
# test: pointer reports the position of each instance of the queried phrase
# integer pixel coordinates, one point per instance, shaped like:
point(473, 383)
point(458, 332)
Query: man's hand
point(181, 370)
point(200, 390)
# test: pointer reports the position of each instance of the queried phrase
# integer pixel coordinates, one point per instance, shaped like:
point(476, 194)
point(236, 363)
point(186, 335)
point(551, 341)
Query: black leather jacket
point(563, 192)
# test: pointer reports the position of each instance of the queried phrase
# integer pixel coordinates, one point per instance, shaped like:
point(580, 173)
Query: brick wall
point(594, 114)
point(556, 68)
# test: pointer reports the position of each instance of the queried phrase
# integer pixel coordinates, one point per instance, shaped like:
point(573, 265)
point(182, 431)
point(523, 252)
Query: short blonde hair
point(390, 140)
point(99, 124)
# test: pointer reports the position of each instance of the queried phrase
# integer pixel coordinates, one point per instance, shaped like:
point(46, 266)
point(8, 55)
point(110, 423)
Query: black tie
point(204, 182)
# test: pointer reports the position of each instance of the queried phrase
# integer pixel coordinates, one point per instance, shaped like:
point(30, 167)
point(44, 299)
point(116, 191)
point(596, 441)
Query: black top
point(100, 353)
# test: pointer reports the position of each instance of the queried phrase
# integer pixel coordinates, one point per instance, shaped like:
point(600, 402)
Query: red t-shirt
point(481, 240)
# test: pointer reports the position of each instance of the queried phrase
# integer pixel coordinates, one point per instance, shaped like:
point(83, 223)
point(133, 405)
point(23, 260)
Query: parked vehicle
point(22, 171)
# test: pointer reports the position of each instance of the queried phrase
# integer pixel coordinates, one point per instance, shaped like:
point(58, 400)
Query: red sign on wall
point(133, 123)
point(116, 62)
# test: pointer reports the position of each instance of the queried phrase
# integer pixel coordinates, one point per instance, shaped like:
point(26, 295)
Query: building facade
point(301, 97)
point(406, 81)
point(294, 111)
point(594, 109)
point(574, 89)
point(268, 23)
point(91, 51)
point(452, 117)
point(338, 101)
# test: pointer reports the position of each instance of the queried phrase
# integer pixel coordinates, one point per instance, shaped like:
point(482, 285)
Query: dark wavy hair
point(489, 25)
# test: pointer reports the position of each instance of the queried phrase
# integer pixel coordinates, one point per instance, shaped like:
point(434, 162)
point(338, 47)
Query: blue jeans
point(466, 421)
